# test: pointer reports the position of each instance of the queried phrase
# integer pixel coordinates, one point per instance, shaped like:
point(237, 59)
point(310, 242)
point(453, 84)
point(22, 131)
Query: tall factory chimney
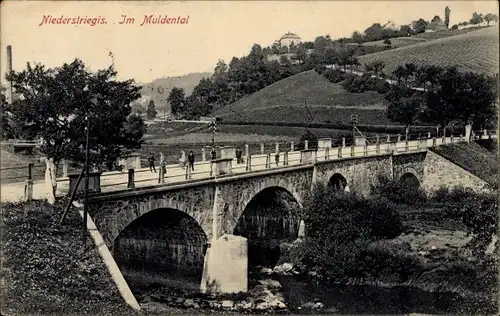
point(9, 69)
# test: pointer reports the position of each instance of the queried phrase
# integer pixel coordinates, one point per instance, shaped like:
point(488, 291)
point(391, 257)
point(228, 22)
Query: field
point(284, 100)
point(475, 51)
point(419, 38)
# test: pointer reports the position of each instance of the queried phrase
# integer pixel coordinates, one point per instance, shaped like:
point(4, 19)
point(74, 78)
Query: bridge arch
point(128, 213)
point(252, 190)
point(410, 177)
point(337, 181)
point(270, 223)
point(166, 245)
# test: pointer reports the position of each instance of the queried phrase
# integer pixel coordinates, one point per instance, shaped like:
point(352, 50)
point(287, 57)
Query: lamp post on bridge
point(354, 121)
point(213, 127)
point(93, 101)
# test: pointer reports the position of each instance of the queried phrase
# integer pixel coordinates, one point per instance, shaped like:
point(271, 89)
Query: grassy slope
point(472, 51)
point(473, 158)
point(187, 82)
point(44, 270)
point(284, 101)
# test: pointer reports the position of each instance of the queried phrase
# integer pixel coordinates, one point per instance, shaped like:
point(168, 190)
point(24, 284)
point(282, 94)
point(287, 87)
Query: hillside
point(472, 51)
point(283, 101)
point(187, 82)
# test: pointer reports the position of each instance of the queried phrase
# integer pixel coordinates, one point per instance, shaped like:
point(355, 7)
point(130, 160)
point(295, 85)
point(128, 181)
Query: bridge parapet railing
point(119, 180)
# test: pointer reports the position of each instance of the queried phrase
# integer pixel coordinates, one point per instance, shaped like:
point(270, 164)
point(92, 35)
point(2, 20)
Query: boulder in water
point(270, 284)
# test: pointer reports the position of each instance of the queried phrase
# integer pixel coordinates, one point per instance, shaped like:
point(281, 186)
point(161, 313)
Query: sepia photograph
point(249, 158)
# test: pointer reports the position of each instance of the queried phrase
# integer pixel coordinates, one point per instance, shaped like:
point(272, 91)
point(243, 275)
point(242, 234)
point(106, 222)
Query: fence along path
point(143, 177)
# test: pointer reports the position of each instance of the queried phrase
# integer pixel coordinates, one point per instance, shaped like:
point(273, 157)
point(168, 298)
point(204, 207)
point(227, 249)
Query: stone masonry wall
point(235, 195)
point(112, 216)
point(360, 173)
point(409, 163)
point(439, 172)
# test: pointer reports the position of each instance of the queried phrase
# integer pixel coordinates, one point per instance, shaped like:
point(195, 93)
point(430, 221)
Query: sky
point(215, 30)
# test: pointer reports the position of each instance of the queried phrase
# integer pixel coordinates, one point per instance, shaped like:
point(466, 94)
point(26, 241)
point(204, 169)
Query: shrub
point(320, 69)
point(312, 141)
point(399, 192)
point(334, 75)
point(339, 228)
point(478, 212)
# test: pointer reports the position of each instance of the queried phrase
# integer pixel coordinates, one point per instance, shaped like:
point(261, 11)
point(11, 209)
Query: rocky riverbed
point(265, 295)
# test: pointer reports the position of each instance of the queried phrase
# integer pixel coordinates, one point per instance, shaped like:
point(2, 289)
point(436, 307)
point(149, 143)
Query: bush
point(339, 228)
point(312, 141)
point(334, 75)
point(399, 192)
point(320, 69)
point(478, 212)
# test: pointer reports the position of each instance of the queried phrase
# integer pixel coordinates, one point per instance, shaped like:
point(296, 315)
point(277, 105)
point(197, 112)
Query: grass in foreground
point(46, 270)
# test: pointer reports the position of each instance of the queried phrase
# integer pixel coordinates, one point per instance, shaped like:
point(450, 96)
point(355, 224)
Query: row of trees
point(425, 94)
point(241, 77)
point(478, 18)
point(55, 104)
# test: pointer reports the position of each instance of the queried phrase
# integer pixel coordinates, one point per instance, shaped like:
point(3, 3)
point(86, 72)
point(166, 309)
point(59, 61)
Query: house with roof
point(287, 39)
point(436, 25)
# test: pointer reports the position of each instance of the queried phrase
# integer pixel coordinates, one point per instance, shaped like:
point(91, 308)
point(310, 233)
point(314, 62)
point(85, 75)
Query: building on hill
point(436, 25)
point(289, 38)
point(392, 26)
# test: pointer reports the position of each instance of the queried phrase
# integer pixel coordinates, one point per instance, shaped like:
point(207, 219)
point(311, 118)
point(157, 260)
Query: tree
point(176, 99)
point(454, 27)
point(399, 73)
point(55, 103)
point(476, 18)
point(376, 67)
point(411, 70)
point(490, 17)
point(467, 97)
point(447, 12)
point(420, 26)
point(387, 42)
point(151, 111)
point(300, 55)
point(405, 30)
point(331, 56)
point(405, 106)
point(5, 117)
point(357, 37)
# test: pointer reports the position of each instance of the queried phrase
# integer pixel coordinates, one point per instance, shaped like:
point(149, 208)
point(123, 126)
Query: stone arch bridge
point(216, 204)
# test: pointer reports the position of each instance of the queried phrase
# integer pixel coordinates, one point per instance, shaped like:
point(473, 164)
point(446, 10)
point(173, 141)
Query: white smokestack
point(9, 69)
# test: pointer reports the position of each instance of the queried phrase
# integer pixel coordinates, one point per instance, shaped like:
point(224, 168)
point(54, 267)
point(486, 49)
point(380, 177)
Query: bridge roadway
point(117, 181)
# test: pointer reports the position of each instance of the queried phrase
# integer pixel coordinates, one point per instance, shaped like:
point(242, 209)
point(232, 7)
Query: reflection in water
point(163, 246)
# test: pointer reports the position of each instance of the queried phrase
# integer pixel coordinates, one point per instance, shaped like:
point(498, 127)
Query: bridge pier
point(225, 269)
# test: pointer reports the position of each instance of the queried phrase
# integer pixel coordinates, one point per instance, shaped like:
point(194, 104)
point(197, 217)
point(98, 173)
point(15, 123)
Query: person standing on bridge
point(213, 154)
point(151, 161)
point(238, 155)
point(277, 158)
point(163, 167)
point(191, 160)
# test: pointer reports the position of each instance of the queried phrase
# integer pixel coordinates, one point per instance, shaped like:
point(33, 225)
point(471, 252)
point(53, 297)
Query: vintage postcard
point(249, 157)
